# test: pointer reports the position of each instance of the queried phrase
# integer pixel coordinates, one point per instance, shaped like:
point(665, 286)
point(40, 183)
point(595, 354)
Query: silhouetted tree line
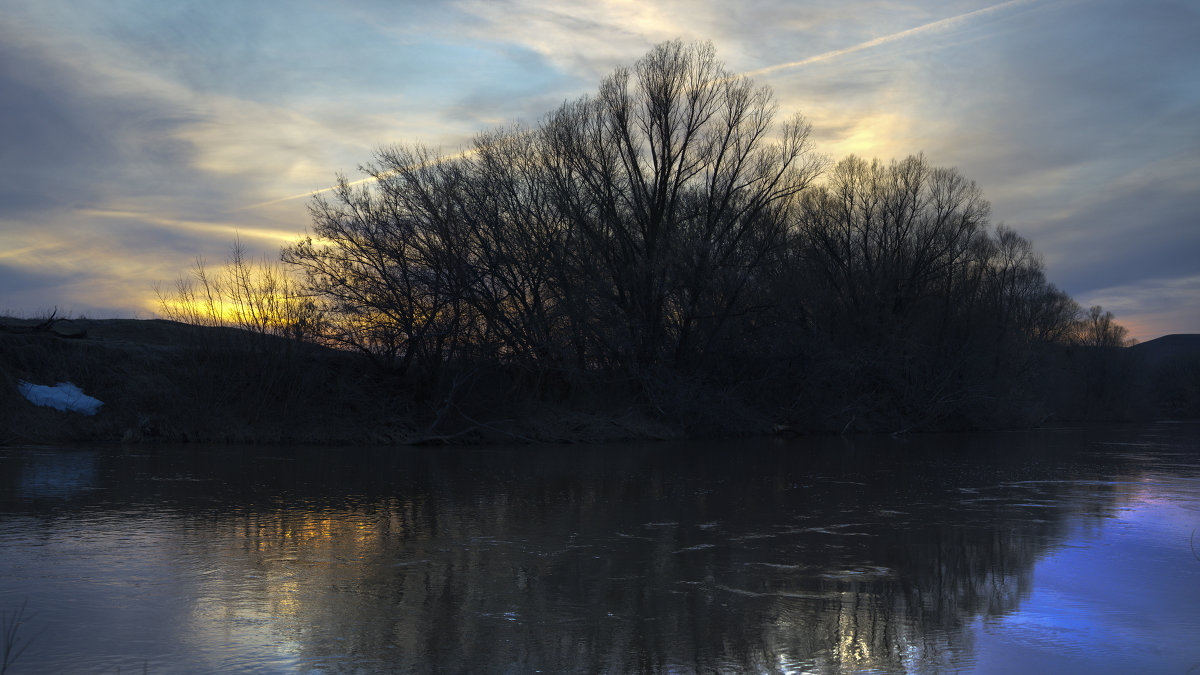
point(668, 236)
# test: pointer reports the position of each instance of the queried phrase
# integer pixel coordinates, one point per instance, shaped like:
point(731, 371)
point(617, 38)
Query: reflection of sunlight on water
point(291, 559)
point(283, 568)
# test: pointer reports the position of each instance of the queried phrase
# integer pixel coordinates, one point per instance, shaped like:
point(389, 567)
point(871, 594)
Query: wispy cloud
point(138, 135)
point(1152, 307)
point(437, 159)
point(646, 20)
point(226, 228)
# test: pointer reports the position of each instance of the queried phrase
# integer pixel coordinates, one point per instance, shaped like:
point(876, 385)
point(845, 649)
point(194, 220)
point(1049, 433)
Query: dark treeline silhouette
point(668, 242)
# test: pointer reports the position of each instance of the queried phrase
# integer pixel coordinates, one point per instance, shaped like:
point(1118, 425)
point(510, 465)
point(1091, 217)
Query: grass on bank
point(168, 381)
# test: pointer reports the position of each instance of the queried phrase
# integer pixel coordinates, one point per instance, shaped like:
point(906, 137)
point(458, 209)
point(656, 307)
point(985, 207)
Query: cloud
point(1140, 224)
point(114, 177)
point(143, 131)
point(1091, 151)
point(18, 280)
point(1152, 307)
point(111, 260)
point(63, 132)
point(588, 39)
point(229, 229)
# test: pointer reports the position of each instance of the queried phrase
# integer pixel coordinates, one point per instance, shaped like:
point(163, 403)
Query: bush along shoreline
point(163, 381)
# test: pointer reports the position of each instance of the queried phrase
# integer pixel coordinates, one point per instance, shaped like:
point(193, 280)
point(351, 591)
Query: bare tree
point(675, 184)
point(1099, 328)
point(260, 298)
point(883, 237)
point(621, 231)
point(668, 224)
point(386, 262)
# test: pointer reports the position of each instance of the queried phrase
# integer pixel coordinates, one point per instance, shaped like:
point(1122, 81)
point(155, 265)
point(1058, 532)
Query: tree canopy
point(669, 231)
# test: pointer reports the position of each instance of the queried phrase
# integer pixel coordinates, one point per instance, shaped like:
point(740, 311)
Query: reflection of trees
point(48, 476)
point(864, 555)
point(647, 560)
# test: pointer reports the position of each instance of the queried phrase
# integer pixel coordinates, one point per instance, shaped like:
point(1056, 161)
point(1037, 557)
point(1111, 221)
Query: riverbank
point(164, 381)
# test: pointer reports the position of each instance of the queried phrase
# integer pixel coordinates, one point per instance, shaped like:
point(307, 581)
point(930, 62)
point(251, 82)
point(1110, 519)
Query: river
point(1053, 551)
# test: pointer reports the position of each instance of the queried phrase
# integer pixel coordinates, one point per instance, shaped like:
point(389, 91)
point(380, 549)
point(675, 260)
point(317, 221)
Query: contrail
point(303, 195)
point(940, 24)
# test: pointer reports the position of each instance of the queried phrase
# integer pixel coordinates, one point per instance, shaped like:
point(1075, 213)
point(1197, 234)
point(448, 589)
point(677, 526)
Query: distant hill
point(1168, 348)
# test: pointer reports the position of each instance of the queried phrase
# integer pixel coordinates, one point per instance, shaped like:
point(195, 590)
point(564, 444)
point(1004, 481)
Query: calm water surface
point(1063, 551)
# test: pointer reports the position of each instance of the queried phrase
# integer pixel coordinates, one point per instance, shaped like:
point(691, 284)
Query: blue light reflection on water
point(1098, 598)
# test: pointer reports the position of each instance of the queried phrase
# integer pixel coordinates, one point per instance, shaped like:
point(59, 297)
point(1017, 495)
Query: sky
point(139, 135)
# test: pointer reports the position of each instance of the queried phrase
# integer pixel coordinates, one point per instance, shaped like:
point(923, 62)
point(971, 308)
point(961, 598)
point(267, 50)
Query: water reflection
point(819, 556)
point(57, 475)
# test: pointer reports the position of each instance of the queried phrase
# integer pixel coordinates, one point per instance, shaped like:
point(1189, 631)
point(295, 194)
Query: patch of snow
point(63, 396)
